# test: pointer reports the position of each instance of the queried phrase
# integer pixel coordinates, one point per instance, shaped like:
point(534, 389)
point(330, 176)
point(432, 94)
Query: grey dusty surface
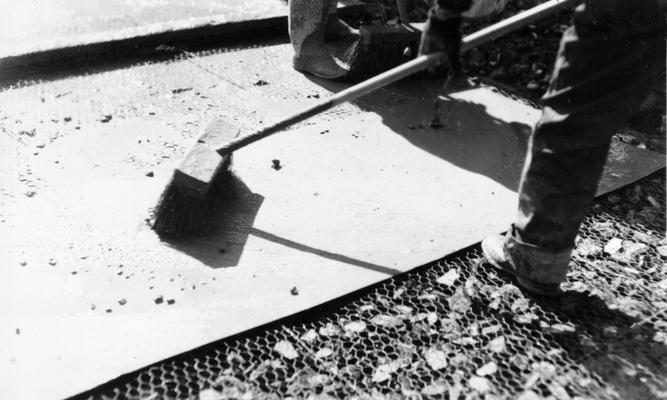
point(364, 191)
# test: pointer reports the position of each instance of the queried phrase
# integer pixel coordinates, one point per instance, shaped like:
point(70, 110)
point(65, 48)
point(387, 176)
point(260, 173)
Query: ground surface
point(76, 145)
point(94, 108)
point(455, 329)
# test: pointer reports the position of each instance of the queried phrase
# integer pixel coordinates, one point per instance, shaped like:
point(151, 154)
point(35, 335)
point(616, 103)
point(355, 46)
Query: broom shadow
point(235, 214)
point(223, 245)
point(322, 253)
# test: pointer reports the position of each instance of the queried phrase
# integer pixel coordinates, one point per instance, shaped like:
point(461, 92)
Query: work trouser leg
point(307, 21)
point(603, 71)
point(308, 24)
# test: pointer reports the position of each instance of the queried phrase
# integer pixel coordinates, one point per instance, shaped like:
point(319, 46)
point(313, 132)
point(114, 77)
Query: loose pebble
point(180, 90)
point(487, 369)
point(449, 277)
point(285, 349)
point(435, 123)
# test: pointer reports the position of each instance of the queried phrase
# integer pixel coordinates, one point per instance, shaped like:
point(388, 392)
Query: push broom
point(191, 197)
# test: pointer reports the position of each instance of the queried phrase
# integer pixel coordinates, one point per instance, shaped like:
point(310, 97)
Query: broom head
point(380, 48)
point(193, 194)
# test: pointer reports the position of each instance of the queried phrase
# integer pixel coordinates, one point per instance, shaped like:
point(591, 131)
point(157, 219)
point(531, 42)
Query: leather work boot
point(493, 248)
point(318, 36)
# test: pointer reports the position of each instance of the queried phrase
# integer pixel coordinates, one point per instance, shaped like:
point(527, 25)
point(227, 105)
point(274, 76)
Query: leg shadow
point(621, 349)
point(464, 134)
point(460, 132)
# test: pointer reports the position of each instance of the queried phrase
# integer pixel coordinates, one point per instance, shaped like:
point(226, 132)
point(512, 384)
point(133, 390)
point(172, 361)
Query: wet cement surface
point(365, 191)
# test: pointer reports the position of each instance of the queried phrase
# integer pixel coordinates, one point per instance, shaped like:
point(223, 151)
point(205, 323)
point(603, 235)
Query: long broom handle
point(422, 62)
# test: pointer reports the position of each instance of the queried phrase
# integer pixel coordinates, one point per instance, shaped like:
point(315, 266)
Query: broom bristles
point(181, 212)
point(379, 49)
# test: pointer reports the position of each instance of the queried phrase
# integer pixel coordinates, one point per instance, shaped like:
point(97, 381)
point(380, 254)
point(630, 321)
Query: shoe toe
point(492, 247)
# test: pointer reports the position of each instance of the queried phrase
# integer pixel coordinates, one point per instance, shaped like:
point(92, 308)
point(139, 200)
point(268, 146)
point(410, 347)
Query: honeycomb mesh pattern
point(456, 329)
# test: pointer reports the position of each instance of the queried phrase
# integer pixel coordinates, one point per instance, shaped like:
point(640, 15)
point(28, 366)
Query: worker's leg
point(307, 28)
point(601, 74)
point(337, 28)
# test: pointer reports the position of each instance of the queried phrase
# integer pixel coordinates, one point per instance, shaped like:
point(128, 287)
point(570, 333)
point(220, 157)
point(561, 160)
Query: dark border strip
point(134, 45)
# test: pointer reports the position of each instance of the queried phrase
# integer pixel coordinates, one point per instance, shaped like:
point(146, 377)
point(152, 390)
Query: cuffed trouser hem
point(536, 263)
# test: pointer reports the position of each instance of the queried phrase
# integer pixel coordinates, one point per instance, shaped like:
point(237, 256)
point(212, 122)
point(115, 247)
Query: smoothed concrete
point(364, 192)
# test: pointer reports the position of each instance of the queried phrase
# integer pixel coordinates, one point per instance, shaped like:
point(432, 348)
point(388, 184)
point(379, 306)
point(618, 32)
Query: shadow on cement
point(469, 137)
point(609, 342)
point(103, 57)
point(465, 135)
point(322, 253)
point(223, 246)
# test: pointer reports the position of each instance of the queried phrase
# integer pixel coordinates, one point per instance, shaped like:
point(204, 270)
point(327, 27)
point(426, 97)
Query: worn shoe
point(494, 252)
point(337, 29)
point(316, 58)
point(322, 65)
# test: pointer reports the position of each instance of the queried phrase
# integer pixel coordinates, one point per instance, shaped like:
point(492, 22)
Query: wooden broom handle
point(422, 62)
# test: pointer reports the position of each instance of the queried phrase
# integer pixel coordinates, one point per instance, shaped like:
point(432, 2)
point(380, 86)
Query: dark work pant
point(604, 70)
